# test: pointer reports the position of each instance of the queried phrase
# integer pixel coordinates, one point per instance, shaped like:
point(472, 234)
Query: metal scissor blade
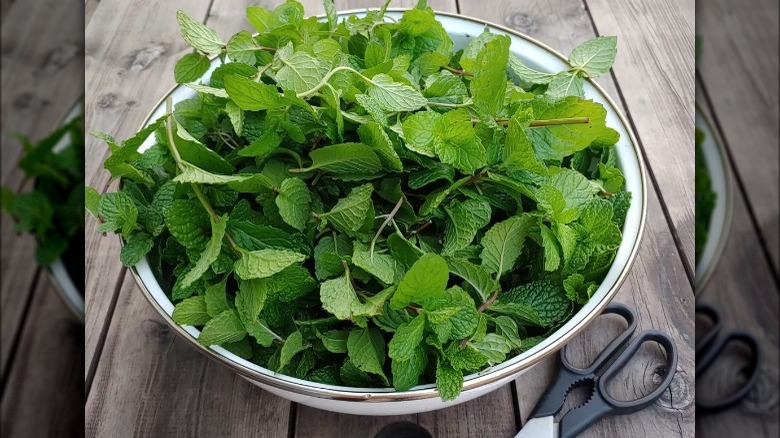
point(544, 427)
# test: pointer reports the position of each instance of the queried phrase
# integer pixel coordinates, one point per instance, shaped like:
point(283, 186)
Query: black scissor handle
point(602, 404)
point(569, 376)
point(712, 314)
point(711, 352)
point(612, 348)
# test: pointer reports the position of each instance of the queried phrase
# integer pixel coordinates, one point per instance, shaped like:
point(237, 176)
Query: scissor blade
point(544, 427)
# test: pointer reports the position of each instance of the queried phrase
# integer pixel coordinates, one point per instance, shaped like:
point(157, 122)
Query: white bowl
point(379, 401)
point(716, 160)
point(58, 274)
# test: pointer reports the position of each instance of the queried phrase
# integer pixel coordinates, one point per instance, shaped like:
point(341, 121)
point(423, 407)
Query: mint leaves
point(352, 202)
point(51, 209)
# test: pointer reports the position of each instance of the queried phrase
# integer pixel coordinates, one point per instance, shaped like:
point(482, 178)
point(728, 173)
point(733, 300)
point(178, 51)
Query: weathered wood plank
point(125, 77)
point(658, 276)
point(151, 383)
point(739, 69)
point(41, 78)
point(744, 293)
point(44, 393)
point(654, 69)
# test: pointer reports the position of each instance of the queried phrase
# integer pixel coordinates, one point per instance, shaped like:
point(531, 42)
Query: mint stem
point(457, 72)
point(544, 122)
point(195, 187)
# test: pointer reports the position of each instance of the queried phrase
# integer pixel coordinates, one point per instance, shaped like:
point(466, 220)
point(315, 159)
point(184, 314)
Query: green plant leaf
point(190, 68)
point(366, 349)
point(265, 262)
point(199, 36)
point(427, 278)
point(346, 161)
point(294, 202)
point(595, 56)
point(225, 328)
point(252, 96)
point(211, 252)
point(395, 96)
point(503, 243)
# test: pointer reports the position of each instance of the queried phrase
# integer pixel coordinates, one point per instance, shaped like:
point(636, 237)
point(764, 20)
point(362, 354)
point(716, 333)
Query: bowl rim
point(58, 274)
point(700, 283)
point(355, 394)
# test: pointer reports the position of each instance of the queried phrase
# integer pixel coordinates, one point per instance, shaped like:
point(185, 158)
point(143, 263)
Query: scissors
point(709, 347)
point(541, 423)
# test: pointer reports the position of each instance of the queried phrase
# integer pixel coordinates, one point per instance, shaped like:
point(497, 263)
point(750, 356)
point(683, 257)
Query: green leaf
point(460, 231)
point(503, 243)
point(395, 96)
point(366, 349)
point(300, 71)
point(350, 213)
point(328, 255)
point(199, 36)
point(338, 296)
point(552, 253)
point(456, 142)
point(494, 347)
point(464, 358)
point(346, 161)
point(242, 182)
point(242, 48)
point(427, 278)
point(595, 56)
point(475, 275)
point(262, 146)
point(91, 201)
point(374, 136)
point(449, 381)
point(190, 68)
point(507, 327)
point(136, 247)
point(117, 209)
point(489, 84)
point(528, 74)
point(261, 18)
point(236, 116)
point(381, 266)
point(191, 311)
point(334, 341)
point(420, 132)
point(222, 329)
point(331, 14)
point(406, 374)
point(8, 197)
point(406, 339)
point(292, 346)
point(211, 252)
point(518, 153)
point(252, 96)
point(566, 84)
point(265, 262)
point(576, 189)
point(294, 202)
point(216, 299)
point(250, 298)
point(546, 299)
point(187, 222)
point(557, 141)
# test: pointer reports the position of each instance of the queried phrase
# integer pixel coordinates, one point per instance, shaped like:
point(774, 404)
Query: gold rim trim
point(700, 286)
point(360, 394)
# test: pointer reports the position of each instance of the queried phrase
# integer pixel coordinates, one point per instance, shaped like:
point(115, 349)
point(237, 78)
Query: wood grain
point(657, 279)
point(151, 383)
point(743, 291)
point(739, 70)
point(44, 394)
point(41, 77)
point(655, 71)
